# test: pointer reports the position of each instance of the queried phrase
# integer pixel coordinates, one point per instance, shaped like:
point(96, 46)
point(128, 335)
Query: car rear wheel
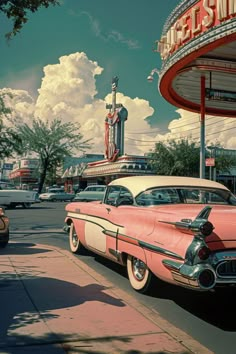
point(139, 275)
point(75, 244)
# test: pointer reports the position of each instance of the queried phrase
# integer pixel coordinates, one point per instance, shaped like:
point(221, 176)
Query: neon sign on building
point(199, 18)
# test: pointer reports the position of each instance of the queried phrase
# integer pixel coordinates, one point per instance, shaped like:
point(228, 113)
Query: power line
point(193, 138)
point(183, 125)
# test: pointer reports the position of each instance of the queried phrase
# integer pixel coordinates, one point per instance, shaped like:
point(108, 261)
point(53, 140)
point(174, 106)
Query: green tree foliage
point(17, 10)
point(223, 161)
point(182, 158)
point(52, 142)
point(10, 142)
point(178, 158)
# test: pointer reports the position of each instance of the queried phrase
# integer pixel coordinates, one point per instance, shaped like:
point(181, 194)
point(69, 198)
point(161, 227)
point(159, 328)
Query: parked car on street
point(181, 230)
point(56, 194)
point(90, 193)
point(11, 197)
point(4, 228)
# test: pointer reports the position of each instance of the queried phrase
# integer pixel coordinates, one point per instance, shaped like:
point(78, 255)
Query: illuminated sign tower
point(114, 126)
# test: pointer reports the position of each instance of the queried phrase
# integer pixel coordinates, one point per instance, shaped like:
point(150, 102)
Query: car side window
point(100, 189)
point(117, 195)
point(125, 197)
point(158, 196)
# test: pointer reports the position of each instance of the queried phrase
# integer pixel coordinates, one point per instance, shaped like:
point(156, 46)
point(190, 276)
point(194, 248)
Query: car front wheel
point(139, 275)
point(3, 244)
point(75, 244)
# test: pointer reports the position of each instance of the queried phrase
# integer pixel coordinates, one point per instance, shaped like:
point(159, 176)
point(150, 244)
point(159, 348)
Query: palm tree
point(52, 142)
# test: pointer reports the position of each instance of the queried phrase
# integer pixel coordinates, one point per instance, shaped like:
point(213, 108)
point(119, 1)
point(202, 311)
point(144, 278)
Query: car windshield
point(54, 190)
point(95, 189)
point(186, 195)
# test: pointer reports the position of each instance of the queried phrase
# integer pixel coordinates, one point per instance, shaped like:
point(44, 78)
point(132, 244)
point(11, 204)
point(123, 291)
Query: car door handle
point(108, 210)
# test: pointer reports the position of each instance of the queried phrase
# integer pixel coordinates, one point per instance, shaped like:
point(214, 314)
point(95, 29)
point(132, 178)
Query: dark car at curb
point(4, 228)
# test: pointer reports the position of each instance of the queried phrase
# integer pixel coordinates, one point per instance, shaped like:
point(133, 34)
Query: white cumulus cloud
point(68, 92)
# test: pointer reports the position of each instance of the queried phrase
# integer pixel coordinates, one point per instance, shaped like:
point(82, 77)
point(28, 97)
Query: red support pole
point(202, 130)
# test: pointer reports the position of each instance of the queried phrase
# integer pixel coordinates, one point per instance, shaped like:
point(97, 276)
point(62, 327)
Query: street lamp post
point(150, 76)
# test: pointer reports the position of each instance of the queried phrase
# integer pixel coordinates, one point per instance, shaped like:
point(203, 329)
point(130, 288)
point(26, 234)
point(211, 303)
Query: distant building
point(73, 167)
point(5, 170)
point(24, 173)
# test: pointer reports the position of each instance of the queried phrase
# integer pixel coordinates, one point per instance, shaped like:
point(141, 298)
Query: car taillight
point(204, 253)
point(206, 228)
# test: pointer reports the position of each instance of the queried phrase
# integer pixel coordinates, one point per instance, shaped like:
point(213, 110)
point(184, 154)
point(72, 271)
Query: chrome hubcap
point(74, 239)
point(139, 269)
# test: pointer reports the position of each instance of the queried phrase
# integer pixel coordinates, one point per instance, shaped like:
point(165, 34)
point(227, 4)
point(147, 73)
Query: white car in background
point(56, 194)
point(10, 197)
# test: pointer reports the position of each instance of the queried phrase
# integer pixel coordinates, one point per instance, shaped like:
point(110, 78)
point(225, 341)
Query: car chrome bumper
point(197, 277)
point(219, 270)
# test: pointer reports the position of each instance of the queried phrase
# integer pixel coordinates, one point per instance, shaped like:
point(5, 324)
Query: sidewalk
point(52, 303)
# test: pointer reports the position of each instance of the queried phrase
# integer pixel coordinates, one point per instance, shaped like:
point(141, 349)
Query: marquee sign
point(199, 18)
point(20, 173)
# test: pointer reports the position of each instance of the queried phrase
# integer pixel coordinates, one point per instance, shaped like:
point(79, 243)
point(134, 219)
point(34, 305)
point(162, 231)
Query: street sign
point(7, 166)
point(210, 161)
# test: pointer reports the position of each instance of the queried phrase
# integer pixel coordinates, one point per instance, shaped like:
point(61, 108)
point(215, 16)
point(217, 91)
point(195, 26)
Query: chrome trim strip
point(116, 254)
point(159, 250)
point(101, 222)
point(143, 244)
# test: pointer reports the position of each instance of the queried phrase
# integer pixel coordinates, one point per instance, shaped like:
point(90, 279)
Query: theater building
point(198, 50)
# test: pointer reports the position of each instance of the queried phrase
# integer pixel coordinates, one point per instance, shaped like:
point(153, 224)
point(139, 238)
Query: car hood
point(222, 217)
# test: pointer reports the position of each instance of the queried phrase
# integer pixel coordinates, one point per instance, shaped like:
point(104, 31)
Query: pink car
point(180, 229)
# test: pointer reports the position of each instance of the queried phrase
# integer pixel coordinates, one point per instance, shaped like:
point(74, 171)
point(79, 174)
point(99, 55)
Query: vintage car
point(55, 195)
point(4, 228)
point(90, 193)
point(181, 230)
point(10, 197)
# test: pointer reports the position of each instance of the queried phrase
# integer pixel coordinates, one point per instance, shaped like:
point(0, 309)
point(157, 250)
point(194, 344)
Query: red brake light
point(206, 228)
point(204, 253)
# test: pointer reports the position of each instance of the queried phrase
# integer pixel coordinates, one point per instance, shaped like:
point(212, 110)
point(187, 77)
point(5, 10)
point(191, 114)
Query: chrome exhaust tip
point(206, 279)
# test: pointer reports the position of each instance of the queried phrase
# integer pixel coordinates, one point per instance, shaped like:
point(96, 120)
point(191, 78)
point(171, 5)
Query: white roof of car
point(137, 184)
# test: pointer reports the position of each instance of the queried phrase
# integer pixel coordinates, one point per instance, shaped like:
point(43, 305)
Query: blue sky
point(63, 61)
point(118, 35)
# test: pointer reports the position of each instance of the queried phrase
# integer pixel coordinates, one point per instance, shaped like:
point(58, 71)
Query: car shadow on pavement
point(214, 307)
point(18, 248)
point(204, 305)
point(30, 298)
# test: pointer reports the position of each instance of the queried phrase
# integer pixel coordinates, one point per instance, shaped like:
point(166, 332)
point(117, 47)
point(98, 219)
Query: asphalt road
point(207, 317)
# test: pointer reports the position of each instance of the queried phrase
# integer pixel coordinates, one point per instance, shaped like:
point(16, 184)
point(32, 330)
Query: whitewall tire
point(139, 275)
point(75, 244)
